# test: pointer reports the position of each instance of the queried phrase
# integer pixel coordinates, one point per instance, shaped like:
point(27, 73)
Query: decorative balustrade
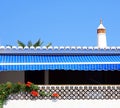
point(74, 92)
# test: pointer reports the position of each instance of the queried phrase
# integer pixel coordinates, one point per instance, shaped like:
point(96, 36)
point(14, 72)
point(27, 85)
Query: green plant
point(10, 88)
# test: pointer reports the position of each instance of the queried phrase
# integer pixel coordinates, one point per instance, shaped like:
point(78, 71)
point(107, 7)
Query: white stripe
point(59, 63)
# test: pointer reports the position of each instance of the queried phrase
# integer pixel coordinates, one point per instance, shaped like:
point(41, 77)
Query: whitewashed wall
point(62, 104)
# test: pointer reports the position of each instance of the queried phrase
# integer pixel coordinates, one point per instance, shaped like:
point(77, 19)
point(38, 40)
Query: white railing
point(76, 92)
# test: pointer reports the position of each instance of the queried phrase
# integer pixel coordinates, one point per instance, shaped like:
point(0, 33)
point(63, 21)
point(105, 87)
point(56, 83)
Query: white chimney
point(101, 34)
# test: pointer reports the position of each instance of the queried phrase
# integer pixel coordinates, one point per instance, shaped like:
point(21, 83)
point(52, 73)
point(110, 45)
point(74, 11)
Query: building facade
point(62, 65)
point(87, 75)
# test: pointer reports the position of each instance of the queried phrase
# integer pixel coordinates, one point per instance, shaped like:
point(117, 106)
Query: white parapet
point(20, 47)
point(90, 48)
point(14, 47)
point(44, 48)
point(32, 47)
point(2, 47)
point(70, 96)
point(56, 47)
point(62, 104)
point(8, 47)
point(62, 47)
point(50, 48)
point(84, 47)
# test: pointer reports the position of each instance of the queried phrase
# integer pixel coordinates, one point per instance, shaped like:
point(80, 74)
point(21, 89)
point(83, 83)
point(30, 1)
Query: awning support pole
point(46, 77)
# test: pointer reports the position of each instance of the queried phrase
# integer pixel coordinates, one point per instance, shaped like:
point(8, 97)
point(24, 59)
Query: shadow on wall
point(74, 77)
point(62, 77)
point(13, 76)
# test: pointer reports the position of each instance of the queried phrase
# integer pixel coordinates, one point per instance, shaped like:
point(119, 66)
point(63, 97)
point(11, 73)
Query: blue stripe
point(65, 67)
point(22, 59)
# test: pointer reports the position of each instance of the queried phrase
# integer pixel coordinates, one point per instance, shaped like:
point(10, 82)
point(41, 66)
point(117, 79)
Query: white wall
point(62, 104)
point(102, 42)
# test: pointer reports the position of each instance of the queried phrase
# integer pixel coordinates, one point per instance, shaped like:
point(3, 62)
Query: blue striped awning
point(53, 62)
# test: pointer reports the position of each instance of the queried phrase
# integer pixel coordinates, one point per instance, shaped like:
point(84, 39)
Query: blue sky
point(61, 22)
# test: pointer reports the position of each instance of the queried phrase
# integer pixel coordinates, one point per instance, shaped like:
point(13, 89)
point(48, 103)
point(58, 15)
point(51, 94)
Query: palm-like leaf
point(20, 43)
point(48, 45)
point(29, 44)
point(38, 43)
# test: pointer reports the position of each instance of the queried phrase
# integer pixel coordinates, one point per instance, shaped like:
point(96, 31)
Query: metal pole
point(46, 77)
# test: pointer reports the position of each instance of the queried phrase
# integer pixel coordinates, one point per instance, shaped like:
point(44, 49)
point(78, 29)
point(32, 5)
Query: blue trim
point(91, 67)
